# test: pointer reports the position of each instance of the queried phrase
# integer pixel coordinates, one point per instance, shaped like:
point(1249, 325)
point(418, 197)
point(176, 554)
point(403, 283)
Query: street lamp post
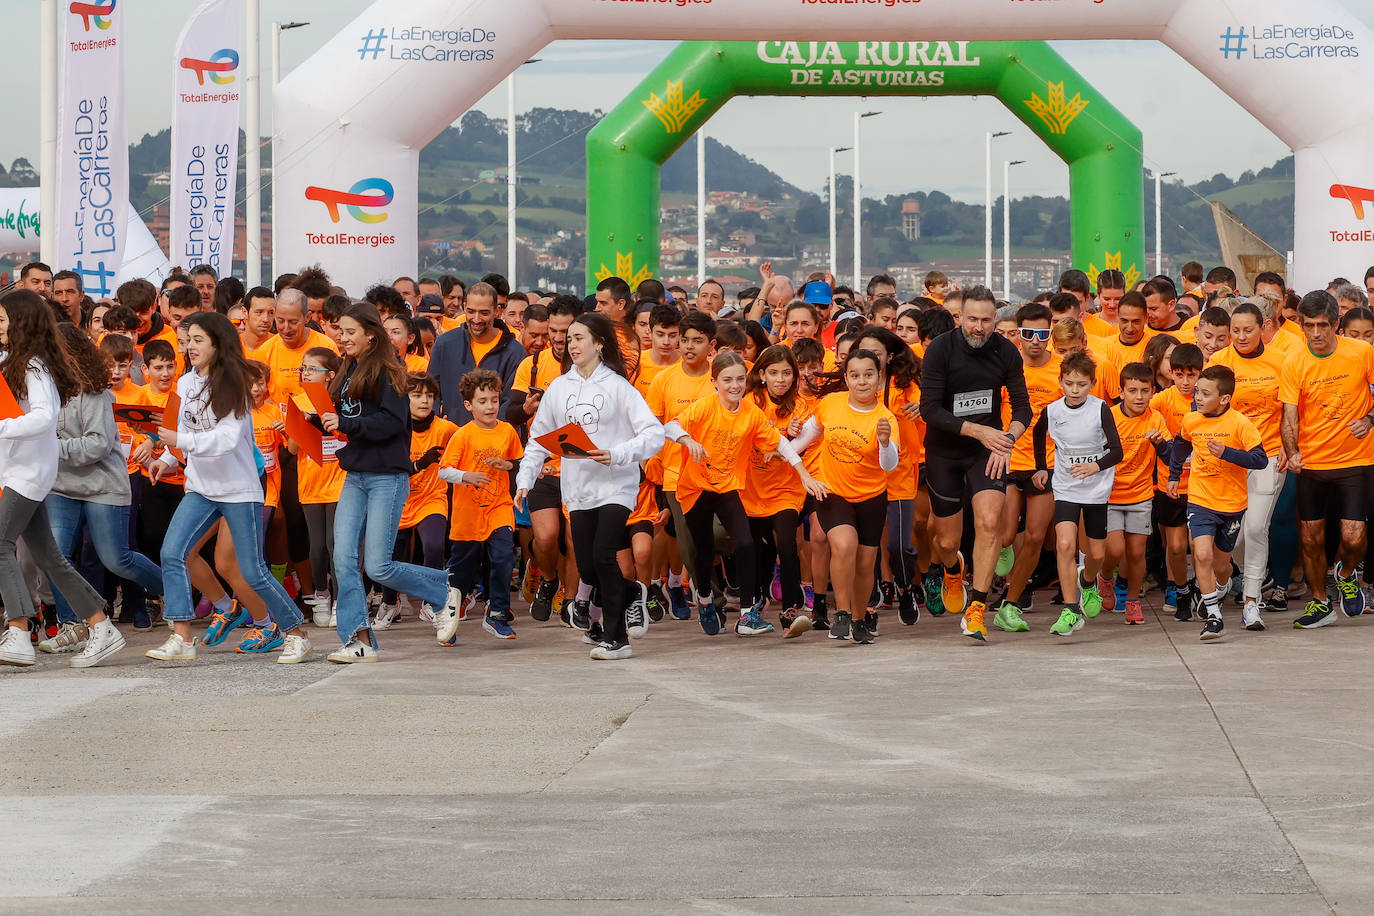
point(701, 207)
point(277, 29)
point(859, 201)
point(1006, 225)
point(834, 241)
point(987, 249)
point(252, 166)
point(510, 175)
point(1159, 226)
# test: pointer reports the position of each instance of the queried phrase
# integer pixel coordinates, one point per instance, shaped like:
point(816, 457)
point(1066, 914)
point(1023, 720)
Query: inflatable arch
point(352, 119)
point(626, 151)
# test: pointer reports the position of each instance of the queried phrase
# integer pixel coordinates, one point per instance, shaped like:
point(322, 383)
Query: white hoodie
point(615, 417)
point(219, 450)
point(28, 444)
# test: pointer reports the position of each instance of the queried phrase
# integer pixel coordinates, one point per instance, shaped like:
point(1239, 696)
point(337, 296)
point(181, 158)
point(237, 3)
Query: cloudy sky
point(1155, 88)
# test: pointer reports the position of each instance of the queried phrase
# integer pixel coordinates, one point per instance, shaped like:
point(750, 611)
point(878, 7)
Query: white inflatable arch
point(352, 119)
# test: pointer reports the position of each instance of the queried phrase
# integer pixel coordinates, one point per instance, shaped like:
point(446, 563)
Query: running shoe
point(1196, 601)
point(797, 627)
point(843, 625)
point(1069, 623)
point(889, 591)
point(541, 608)
point(775, 587)
point(529, 586)
point(789, 616)
point(455, 609)
point(708, 618)
point(1352, 599)
point(581, 613)
point(952, 588)
point(1250, 616)
point(175, 649)
point(1005, 561)
point(870, 620)
point(1276, 600)
point(594, 635)
point(1317, 614)
point(861, 634)
point(1107, 592)
point(808, 595)
point(1090, 600)
point(387, 614)
point(973, 624)
point(356, 651)
point(295, 650)
point(1134, 614)
point(16, 648)
point(637, 612)
point(104, 641)
point(751, 623)
point(658, 603)
point(677, 599)
point(1121, 592)
point(612, 652)
point(820, 614)
point(932, 589)
point(1211, 629)
point(261, 639)
point(497, 627)
point(221, 623)
point(908, 611)
point(71, 637)
point(1008, 618)
point(1171, 599)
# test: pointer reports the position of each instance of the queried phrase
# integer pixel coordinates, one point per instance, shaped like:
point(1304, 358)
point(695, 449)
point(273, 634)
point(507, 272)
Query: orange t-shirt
point(417, 363)
point(1257, 391)
point(1173, 407)
point(1098, 326)
point(479, 511)
point(319, 484)
point(480, 350)
point(1216, 483)
point(629, 348)
point(131, 395)
point(1107, 385)
point(428, 494)
point(771, 487)
point(538, 371)
point(911, 446)
point(672, 392)
point(646, 504)
point(1135, 475)
point(1330, 391)
point(285, 365)
point(1185, 333)
point(649, 370)
point(1042, 384)
point(1127, 353)
point(849, 447)
point(268, 440)
point(159, 399)
point(728, 437)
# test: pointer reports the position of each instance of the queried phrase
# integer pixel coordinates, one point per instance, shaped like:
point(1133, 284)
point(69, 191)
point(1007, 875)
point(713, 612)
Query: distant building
point(911, 219)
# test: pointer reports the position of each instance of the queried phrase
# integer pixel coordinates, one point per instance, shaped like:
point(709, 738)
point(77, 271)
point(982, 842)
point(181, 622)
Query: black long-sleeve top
point(377, 429)
point(962, 384)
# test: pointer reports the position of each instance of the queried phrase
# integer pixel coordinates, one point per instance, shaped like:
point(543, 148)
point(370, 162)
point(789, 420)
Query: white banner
point(20, 232)
point(92, 146)
point(205, 136)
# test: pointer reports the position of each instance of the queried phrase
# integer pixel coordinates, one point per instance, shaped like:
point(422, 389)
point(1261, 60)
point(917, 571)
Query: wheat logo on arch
point(1058, 113)
point(673, 110)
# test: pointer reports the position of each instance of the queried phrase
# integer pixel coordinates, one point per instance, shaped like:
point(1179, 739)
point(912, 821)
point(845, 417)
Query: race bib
point(269, 459)
point(330, 447)
point(126, 444)
point(1080, 455)
point(973, 403)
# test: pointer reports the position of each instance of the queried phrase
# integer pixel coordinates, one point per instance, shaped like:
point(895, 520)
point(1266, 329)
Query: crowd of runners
point(257, 466)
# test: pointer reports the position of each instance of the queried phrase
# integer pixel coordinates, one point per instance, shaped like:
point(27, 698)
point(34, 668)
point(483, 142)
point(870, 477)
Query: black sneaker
point(581, 614)
point(658, 603)
point(1184, 611)
point(870, 621)
point(1211, 629)
point(843, 625)
point(636, 614)
point(860, 633)
point(1197, 602)
point(541, 608)
point(908, 610)
point(594, 635)
point(889, 590)
point(820, 614)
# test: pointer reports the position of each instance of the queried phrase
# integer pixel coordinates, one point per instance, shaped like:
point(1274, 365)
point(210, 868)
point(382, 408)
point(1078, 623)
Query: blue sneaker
point(221, 623)
point(1170, 598)
point(1352, 599)
point(751, 624)
point(497, 627)
point(710, 620)
point(262, 639)
point(808, 597)
point(1122, 592)
point(677, 598)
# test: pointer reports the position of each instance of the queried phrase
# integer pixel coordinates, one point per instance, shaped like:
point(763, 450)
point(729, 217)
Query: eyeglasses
point(313, 370)
point(1040, 334)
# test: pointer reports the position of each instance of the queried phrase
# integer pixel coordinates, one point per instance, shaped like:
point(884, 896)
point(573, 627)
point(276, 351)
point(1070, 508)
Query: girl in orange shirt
point(406, 339)
point(320, 486)
point(719, 432)
point(854, 433)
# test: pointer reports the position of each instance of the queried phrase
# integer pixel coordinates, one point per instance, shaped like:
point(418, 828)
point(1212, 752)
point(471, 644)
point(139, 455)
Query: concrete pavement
point(1128, 769)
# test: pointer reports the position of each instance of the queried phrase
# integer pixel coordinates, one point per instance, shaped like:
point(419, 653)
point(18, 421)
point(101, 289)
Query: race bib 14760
point(973, 403)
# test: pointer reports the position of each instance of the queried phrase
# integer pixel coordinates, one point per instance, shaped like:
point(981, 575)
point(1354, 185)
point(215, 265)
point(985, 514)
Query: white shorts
point(1132, 519)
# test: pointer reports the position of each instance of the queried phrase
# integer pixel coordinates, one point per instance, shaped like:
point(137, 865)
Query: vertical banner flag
point(205, 135)
point(92, 145)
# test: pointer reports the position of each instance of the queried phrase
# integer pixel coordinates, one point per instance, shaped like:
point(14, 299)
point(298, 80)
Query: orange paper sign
point(568, 442)
point(318, 393)
point(143, 417)
point(9, 407)
point(304, 434)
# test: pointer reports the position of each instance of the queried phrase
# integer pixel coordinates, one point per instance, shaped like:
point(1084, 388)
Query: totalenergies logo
point(101, 15)
point(368, 193)
point(1356, 196)
point(219, 67)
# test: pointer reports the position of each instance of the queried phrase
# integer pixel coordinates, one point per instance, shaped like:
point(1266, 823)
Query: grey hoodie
point(91, 465)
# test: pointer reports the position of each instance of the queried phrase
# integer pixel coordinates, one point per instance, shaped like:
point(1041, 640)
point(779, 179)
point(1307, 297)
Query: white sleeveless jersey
point(1078, 436)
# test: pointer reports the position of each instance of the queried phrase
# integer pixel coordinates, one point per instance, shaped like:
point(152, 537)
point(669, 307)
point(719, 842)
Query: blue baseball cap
point(817, 292)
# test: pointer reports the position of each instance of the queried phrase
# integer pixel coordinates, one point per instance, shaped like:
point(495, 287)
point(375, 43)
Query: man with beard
point(967, 450)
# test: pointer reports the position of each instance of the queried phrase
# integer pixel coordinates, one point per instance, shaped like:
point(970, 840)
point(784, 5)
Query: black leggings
point(727, 508)
point(431, 531)
point(598, 535)
point(776, 538)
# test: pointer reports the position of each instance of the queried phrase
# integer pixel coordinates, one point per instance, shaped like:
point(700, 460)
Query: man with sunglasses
point(1041, 368)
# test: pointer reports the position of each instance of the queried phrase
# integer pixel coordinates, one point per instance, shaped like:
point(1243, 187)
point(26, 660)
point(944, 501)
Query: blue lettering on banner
point(416, 42)
point(207, 204)
point(94, 220)
point(1288, 42)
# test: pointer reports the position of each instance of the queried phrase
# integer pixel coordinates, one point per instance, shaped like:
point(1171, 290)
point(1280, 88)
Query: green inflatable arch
point(626, 151)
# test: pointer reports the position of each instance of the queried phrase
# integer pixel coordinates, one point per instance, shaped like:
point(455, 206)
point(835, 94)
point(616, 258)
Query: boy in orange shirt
point(478, 461)
point(1224, 445)
point(1171, 510)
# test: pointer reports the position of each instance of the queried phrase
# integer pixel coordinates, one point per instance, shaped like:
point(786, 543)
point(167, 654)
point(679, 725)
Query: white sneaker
point(294, 650)
point(387, 614)
point(16, 648)
point(105, 640)
point(449, 617)
point(356, 651)
point(1250, 616)
point(428, 616)
point(320, 609)
point(71, 638)
point(637, 614)
point(607, 652)
point(175, 649)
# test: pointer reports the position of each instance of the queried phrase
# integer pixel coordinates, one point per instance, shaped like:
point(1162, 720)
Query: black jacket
point(960, 384)
point(451, 359)
point(377, 428)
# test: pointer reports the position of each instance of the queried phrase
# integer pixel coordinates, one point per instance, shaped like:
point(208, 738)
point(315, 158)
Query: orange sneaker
point(1133, 612)
point(1106, 587)
point(973, 624)
point(952, 589)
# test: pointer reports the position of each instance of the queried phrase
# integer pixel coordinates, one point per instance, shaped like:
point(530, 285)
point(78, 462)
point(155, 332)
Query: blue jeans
point(108, 527)
point(193, 518)
point(465, 567)
point(365, 522)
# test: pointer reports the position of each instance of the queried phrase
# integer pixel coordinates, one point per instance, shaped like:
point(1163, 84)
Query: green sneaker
point(1005, 561)
point(1068, 623)
point(1008, 617)
point(1090, 599)
point(934, 603)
